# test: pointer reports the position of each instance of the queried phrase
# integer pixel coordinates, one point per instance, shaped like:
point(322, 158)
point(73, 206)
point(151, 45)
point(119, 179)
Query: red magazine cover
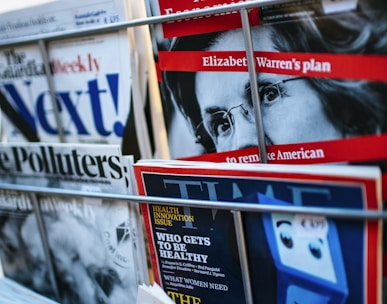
point(197, 25)
point(193, 249)
point(321, 82)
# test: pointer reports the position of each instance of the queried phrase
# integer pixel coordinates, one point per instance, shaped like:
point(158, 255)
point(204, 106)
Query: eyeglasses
point(220, 124)
point(270, 93)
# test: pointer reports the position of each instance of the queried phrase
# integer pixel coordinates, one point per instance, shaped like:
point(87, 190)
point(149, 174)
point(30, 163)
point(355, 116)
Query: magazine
point(92, 241)
point(78, 74)
point(93, 78)
point(338, 66)
point(204, 24)
point(59, 15)
point(194, 250)
point(178, 140)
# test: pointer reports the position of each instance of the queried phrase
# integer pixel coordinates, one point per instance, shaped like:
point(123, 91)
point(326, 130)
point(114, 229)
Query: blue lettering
point(45, 116)
point(42, 114)
point(112, 80)
point(76, 119)
point(21, 105)
point(96, 107)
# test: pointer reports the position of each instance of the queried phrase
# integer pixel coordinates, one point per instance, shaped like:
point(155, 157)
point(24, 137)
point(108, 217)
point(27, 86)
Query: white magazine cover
point(86, 167)
point(46, 16)
point(92, 82)
point(90, 239)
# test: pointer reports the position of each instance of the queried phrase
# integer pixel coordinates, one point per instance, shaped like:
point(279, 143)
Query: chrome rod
point(254, 85)
point(51, 88)
point(241, 242)
point(347, 213)
point(46, 248)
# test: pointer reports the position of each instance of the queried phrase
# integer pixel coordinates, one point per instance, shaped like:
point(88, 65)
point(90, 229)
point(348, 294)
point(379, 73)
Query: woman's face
point(290, 108)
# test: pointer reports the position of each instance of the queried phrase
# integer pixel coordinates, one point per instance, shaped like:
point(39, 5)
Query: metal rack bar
point(50, 82)
point(254, 85)
point(241, 242)
point(344, 213)
point(43, 237)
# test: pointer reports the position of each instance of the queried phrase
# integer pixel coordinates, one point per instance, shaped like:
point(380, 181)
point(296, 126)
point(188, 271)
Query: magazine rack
point(235, 208)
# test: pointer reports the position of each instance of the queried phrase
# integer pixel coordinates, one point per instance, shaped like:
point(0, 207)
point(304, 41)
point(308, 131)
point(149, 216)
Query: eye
point(315, 249)
point(269, 94)
point(220, 124)
point(286, 239)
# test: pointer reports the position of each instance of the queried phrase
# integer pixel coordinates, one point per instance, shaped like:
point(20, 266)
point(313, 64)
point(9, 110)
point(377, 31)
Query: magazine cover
point(92, 241)
point(194, 251)
point(93, 81)
point(89, 83)
point(204, 24)
point(179, 140)
point(321, 84)
point(41, 17)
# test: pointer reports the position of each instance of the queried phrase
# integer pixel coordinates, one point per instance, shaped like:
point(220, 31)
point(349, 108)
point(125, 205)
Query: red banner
point(339, 66)
point(205, 24)
point(357, 149)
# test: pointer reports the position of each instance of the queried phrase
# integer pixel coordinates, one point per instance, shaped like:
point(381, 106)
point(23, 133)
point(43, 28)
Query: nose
point(245, 132)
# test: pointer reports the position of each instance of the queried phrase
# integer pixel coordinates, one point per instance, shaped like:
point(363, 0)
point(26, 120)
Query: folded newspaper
point(152, 294)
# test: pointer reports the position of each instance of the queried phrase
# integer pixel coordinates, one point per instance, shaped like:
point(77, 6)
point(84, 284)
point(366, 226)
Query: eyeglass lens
point(221, 123)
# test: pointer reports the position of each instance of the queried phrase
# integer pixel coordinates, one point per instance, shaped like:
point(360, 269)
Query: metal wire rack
point(236, 208)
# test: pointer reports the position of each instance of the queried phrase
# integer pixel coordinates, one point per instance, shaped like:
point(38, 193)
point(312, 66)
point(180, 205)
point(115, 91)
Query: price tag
point(337, 6)
point(111, 17)
point(310, 226)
